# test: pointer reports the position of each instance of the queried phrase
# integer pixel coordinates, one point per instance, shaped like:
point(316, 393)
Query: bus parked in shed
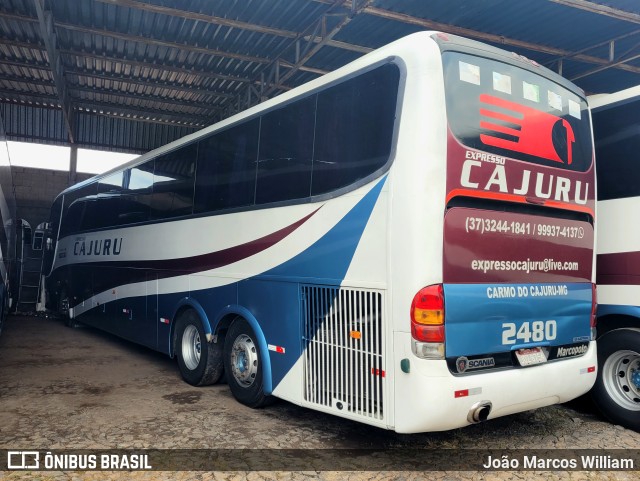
point(616, 130)
point(406, 242)
point(7, 229)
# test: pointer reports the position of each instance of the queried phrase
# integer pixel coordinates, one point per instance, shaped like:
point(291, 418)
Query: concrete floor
point(64, 388)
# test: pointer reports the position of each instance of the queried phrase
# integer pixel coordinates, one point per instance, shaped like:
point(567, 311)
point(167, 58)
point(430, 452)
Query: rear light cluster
point(427, 323)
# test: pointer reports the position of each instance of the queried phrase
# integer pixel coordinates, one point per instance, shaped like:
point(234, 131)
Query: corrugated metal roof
point(137, 74)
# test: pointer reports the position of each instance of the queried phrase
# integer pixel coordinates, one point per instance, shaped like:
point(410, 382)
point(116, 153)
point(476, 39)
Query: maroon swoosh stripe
point(620, 268)
point(212, 260)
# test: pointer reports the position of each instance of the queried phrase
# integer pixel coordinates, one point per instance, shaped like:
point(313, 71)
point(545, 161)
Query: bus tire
point(63, 308)
point(243, 365)
point(200, 362)
point(616, 392)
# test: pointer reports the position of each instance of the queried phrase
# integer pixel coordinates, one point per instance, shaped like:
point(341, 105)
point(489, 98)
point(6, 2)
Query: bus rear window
point(509, 111)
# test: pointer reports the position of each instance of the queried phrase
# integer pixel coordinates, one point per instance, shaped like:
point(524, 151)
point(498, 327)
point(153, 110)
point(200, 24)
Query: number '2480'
point(535, 331)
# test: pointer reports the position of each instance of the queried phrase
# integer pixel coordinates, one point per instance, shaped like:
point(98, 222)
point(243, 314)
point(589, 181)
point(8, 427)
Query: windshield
point(508, 111)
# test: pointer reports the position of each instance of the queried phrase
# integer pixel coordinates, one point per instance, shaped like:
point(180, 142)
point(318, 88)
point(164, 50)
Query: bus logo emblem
point(533, 131)
point(461, 364)
point(464, 364)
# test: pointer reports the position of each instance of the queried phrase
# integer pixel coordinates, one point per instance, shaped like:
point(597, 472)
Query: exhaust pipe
point(479, 412)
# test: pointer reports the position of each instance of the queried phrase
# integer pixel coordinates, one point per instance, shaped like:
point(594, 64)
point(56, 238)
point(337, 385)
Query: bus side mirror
point(48, 245)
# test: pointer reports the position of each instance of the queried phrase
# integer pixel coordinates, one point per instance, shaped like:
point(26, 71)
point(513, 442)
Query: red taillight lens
point(427, 333)
point(427, 314)
point(594, 305)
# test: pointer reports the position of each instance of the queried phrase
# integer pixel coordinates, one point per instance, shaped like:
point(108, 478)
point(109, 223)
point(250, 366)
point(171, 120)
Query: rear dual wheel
point(617, 389)
point(243, 365)
point(200, 361)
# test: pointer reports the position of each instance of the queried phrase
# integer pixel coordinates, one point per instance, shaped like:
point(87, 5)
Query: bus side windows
point(173, 183)
point(75, 204)
point(226, 171)
point(354, 129)
point(123, 198)
point(312, 146)
point(286, 147)
point(137, 196)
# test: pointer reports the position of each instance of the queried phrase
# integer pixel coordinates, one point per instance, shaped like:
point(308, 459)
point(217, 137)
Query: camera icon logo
point(23, 460)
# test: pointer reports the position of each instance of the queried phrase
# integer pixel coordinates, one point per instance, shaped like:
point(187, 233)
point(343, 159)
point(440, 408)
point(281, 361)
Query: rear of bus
point(508, 326)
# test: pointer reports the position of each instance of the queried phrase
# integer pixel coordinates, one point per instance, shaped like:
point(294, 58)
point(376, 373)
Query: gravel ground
point(79, 388)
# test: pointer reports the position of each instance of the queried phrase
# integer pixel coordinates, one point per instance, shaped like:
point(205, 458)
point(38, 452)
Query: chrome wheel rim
point(191, 347)
point(621, 377)
point(244, 360)
point(64, 305)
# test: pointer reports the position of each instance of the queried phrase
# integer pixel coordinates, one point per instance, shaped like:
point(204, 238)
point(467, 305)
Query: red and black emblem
point(526, 130)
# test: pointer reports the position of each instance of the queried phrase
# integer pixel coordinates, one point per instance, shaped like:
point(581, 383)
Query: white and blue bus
point(407, 242)
point(7, 229)
point(616, 130)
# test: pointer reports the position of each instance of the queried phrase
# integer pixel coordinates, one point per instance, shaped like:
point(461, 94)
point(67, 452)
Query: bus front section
point(510, 327)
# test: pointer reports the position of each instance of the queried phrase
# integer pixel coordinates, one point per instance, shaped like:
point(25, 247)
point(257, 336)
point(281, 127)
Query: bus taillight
point(427, 322)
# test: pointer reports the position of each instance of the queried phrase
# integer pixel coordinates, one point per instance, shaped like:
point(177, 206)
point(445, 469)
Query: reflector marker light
point(278, 349)
point(164, 320)
point(588, 370)
point(467, 392)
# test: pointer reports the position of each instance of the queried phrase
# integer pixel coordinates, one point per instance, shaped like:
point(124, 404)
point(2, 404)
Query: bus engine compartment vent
point(344, 368)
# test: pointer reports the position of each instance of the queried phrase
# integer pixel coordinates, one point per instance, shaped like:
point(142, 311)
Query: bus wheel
point(242, 365)
point(200, 362)
point(617, 389)
point(63, 308)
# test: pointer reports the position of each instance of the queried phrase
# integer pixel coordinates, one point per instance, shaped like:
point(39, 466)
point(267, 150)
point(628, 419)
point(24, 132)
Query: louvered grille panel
point(343, 364)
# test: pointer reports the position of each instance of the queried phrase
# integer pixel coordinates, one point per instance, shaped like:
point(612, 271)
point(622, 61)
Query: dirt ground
point(64, 388)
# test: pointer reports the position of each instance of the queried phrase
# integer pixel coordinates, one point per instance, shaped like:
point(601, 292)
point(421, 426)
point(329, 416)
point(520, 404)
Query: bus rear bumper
point(430, 398)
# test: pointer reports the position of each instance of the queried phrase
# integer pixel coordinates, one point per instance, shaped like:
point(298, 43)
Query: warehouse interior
point(132, 75)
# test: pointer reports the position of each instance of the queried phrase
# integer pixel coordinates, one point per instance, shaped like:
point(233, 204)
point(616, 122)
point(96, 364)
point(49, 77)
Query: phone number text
point(483, 225)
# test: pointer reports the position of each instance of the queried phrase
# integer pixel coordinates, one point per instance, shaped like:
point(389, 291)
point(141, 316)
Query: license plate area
point(531, 356)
